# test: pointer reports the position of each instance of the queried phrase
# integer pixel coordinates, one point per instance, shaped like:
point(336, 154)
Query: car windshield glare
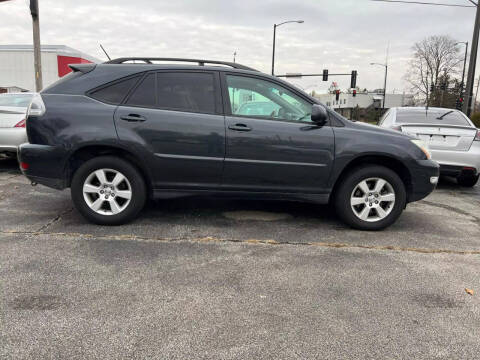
point(21, 101)
point(443, 117)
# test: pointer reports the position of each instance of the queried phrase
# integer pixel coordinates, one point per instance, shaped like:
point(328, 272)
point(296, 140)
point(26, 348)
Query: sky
point(338, 35)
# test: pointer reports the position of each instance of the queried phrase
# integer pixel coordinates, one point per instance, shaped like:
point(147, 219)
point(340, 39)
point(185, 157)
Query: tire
point(108, 199)
point(381, 209)
point(467, 180)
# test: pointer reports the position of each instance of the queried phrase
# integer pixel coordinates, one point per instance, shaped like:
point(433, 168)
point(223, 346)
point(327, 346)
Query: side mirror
point(319, 114)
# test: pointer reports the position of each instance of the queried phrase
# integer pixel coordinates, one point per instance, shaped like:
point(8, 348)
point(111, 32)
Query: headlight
point(423, 146)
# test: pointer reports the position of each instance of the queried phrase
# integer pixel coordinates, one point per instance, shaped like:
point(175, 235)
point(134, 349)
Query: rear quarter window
point(115, 93)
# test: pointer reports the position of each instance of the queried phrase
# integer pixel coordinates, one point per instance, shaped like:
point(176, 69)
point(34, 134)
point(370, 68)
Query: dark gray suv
point(132, 128)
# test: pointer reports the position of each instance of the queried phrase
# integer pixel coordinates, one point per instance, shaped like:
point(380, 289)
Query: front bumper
point(452, 163)
point(44, 164)
point(11, 138)
point(425, 175)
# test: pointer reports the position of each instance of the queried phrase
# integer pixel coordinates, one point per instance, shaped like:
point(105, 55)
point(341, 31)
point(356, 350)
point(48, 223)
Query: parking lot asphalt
point(205, 278)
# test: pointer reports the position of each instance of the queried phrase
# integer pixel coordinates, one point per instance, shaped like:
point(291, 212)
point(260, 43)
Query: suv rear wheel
point(370, 198)
point(108, 191)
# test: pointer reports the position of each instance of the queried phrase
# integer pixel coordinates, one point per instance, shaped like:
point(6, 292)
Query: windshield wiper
point(441, 117)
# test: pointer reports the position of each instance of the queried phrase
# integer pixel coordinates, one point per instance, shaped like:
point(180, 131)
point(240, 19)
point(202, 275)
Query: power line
point(425, 3)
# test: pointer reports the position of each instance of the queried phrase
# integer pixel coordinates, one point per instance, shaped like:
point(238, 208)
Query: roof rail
point(148, 60)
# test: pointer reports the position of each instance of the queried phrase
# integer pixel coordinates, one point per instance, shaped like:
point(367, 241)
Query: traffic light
point(337, 95)
point(354, 93)
point(325, 75)
point(353, 82)
point(443, 86)
point(459, 104)
point(432, 88)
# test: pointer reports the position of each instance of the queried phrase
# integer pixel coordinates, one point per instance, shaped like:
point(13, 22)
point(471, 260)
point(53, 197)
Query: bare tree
point(435, 59)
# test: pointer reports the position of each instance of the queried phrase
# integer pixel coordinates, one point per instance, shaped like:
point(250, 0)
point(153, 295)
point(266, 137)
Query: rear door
point(176, 118)
point(272, 145)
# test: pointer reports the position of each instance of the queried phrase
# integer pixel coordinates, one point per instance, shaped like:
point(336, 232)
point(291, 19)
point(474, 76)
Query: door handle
point(239, 127)
point(133, 118)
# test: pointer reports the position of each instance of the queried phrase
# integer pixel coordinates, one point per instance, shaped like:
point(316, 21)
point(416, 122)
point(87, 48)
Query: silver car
point(13, 109)
point(452, 138)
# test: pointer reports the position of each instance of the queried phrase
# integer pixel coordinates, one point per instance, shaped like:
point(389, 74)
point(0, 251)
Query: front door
point(177, 117)
point(272, 144)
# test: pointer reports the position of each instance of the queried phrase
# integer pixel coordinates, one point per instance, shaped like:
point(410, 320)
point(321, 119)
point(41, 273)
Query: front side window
point(254, 97)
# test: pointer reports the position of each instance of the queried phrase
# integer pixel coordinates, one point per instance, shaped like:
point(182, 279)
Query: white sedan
point(13, 110)
point(452, 138)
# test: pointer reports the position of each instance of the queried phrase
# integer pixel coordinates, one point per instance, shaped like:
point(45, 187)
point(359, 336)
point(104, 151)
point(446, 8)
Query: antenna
point(105, 52)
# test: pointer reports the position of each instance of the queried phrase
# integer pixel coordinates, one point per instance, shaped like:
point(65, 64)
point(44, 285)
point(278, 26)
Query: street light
point(462, 84)
point(384, 83)
point(274, 32)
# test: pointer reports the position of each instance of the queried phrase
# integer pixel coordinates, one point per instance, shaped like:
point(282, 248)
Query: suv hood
point(380, 131)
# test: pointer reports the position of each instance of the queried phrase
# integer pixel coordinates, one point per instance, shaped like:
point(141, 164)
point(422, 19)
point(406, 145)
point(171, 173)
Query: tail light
point(37, 107)
point(396, 127)
point(477, 137)
point(21, 124)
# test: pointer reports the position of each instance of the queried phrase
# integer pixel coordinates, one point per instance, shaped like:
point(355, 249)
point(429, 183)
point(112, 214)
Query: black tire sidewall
point(137, 184)
point(353, 178)
point(467, 180)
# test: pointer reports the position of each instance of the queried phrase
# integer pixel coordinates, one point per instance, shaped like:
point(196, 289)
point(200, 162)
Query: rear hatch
point(457, 138)
point(441, 129)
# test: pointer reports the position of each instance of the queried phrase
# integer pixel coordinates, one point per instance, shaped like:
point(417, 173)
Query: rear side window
point(116, 92)
point(190, 92)
point(144, 94)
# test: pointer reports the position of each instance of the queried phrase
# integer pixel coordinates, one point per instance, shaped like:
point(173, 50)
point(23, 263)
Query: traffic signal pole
point(36, 45)
point(468, 104)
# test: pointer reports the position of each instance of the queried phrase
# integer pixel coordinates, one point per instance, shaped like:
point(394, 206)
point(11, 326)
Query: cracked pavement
point(223, 279)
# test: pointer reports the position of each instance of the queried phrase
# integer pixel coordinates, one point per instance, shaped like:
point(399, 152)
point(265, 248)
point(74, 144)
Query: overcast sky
point(339, 35)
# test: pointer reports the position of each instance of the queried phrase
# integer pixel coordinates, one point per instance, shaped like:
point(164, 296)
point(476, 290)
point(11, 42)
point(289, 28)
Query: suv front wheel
point(370, 198)
point(108, 191)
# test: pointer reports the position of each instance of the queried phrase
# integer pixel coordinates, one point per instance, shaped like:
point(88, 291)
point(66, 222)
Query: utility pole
point(36, 45)
point(476, 95)
point(462, 84)
point(467, 106)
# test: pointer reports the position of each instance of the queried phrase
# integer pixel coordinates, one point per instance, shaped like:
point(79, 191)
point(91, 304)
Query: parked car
point(119, 133)
point(452, 138)
point(13, 110)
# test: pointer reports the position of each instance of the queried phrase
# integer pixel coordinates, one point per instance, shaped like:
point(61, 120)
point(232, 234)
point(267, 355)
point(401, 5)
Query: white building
point(365, 100)
point(17, 66)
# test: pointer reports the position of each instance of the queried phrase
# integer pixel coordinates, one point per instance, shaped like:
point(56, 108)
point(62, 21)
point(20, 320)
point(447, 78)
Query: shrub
point(476, 119)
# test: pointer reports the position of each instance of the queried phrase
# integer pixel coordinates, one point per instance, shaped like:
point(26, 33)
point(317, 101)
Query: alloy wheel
point(372, 199)
point(107, 191)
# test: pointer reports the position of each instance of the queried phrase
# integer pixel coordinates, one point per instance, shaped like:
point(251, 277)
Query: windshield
point(437, 117)
point(16, 100)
